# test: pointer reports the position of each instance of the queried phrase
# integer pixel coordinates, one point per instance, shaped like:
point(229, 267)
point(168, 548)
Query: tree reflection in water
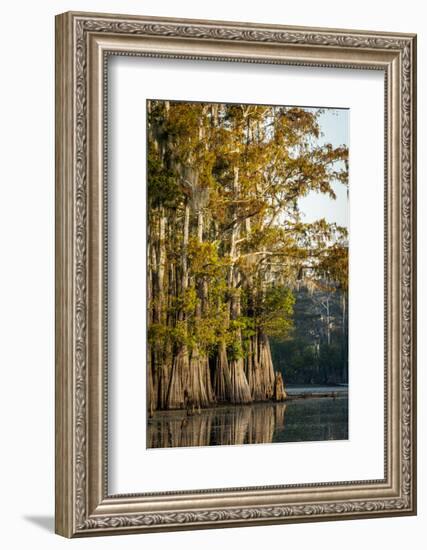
point(316, 419)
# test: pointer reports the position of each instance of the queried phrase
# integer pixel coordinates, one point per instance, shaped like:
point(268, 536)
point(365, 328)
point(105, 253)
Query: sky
point(334, 124)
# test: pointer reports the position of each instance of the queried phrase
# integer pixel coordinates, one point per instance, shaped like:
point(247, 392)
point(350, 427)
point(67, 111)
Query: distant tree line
point(317, 351)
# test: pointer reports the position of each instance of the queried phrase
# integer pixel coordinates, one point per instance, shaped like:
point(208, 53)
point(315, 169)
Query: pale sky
point(334, 124)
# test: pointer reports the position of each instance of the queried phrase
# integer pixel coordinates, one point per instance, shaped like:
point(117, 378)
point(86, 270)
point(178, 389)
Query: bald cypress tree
point(226, 244)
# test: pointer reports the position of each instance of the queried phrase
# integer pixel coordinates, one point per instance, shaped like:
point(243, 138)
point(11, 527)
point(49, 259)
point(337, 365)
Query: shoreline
point(290, 397)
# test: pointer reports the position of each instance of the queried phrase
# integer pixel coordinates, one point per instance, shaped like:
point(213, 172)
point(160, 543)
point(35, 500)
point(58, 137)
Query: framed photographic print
point(235, 274)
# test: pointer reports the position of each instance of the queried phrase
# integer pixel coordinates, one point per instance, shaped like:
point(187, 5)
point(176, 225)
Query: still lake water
point(309, 419)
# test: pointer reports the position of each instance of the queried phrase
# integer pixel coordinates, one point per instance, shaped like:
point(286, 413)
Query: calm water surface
point(311, 419)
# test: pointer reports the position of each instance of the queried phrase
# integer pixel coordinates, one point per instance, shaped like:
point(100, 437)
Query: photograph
point(247, 273)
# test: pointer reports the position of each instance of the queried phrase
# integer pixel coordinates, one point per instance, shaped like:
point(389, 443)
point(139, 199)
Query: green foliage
point(179, 334)
point(334, 265)
point(235, 350)
point(205, 260)
point(163, 190)
point(158, 333)
point(274, 310)
point(306, 357)
point(186, 301)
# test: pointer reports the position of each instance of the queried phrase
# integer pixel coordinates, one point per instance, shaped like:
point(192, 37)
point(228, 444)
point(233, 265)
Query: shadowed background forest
point(244, 296)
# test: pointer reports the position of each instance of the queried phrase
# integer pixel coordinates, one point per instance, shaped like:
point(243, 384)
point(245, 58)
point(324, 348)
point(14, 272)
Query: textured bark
point(199, 387)
point(176, 397)
point(279, 388)
point(206, 376)
point(159, 356)
point(151, 392)
point(222, 379)
point(177, 390)
point(197, 392)
point(253, 371)
point(240, 392)
point(162, 383)
point(265, 362)
point(152, 402)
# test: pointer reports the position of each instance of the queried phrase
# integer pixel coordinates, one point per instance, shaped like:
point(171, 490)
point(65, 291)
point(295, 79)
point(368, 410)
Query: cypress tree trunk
point(152, 402)
point(265, 365)
point(279, 388)
point(199, 386)
point(161, 357)
point(163, 377)
point(176, 397)
point(222, 379)
point(177, 390)
point(253, 370)
point(240, 392)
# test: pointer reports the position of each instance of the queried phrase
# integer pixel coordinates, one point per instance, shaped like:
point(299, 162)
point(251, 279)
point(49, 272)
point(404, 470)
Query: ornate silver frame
point(83, 505)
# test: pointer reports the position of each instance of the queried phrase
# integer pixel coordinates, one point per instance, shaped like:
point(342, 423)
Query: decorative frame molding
point(83, 43)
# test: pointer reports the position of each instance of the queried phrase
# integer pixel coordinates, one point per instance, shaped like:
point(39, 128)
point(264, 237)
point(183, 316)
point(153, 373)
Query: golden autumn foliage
point(226, 244)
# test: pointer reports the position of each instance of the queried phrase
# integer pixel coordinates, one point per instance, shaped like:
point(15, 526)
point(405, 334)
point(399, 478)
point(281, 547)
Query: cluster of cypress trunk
point(225, 243)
